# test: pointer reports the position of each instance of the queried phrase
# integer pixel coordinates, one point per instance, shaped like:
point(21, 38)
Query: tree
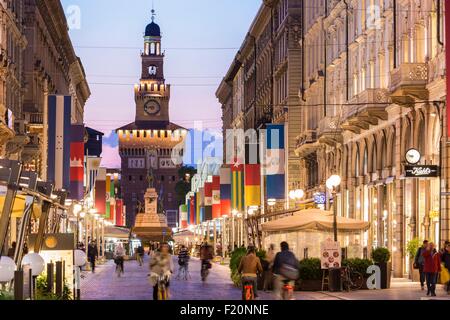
point(183, 186)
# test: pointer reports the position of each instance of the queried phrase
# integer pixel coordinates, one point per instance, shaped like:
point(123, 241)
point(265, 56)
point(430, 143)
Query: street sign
point(421, 171)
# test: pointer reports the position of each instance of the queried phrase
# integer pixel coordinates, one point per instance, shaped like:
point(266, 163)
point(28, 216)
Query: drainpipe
point(395, 34)
point(347, 31)
point(303, 52)
point(439, 39)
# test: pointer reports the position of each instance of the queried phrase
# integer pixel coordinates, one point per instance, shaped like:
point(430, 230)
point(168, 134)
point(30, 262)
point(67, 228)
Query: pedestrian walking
point(119, 255)
point(161, 269)
point(419, 262)
point(183, 262)
point(12, 250)
point(432, 267)
point(268, 266)
point(140, 255)
point(92, 254)
point(445, 273)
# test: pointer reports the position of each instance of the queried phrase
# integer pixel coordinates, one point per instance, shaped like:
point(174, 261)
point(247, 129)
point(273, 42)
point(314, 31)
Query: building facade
point(147, 146)
point(373, 88)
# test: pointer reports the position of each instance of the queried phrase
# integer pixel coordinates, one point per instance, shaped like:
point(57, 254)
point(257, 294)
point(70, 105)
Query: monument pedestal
point(151, 225)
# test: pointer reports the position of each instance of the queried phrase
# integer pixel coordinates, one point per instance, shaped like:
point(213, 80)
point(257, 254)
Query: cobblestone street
point(105, 285)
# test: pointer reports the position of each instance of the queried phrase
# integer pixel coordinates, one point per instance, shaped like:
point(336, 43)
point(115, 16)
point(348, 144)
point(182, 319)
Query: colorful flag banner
point(100, 192)
point(208, 201)
point(252, 185)
point(112, 199)
point(108, 197)
point(197, 206)
point(59, 128)
point(184, 216)
point(216, 197)
point(237, 187)
point(274, 165)
point(225, 192)
point(119, 212)
point(77, 162)
point(192, 215)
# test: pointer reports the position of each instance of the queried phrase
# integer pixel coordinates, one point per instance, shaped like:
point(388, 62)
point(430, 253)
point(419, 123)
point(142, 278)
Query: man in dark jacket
point(446, 261)
point(285, 258)
point(419, 262)
point(92, 254)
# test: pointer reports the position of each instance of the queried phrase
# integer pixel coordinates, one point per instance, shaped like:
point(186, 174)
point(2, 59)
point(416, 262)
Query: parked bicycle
point(351, 279)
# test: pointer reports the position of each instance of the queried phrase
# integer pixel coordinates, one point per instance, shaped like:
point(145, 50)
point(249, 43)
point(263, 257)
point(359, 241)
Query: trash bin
point(334, 280)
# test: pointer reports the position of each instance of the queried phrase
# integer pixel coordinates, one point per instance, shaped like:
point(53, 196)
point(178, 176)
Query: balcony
point(329, 131)
point(306, 143)
point(408, 83)
point(35, 122)
point(366, 109)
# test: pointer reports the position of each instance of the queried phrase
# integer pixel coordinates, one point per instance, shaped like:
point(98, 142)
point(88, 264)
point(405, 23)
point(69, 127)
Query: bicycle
point(206, 265)
point(163, 290)
point(183, 272)
point(248, 291)
point(287, 291)
point(351, 279)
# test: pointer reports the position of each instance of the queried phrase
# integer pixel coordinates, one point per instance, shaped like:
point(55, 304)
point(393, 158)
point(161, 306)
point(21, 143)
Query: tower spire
point(153, 11)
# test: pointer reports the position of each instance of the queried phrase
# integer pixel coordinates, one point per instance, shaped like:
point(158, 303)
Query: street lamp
point(332, 183)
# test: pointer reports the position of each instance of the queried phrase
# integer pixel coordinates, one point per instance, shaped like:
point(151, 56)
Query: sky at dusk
point(200, 38)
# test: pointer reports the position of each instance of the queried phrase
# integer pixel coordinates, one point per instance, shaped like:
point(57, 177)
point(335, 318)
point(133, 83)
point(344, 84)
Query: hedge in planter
point(381, 257)
point(310, 274)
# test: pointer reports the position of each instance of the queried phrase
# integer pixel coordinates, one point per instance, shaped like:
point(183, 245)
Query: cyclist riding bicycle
point(285, 270)
point(249, 268)
point(119, 255)
point(161, 266)
point(206, 255)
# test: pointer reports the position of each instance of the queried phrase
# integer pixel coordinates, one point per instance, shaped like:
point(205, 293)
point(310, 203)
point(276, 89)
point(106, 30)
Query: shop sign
point(422, 171)
point(330, 255)
point(320, 198)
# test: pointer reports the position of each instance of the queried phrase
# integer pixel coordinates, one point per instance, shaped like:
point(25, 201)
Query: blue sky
point(110, 39)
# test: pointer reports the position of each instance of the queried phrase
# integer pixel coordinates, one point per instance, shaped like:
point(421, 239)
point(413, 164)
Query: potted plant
point(411, 250)
point(359, 265)
point(310, 275)
point(381, 257)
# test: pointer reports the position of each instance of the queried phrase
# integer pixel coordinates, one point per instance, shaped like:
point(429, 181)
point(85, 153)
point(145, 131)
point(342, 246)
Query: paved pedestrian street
point(105, 285)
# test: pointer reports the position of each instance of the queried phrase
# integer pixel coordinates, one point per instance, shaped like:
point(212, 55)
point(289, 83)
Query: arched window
point(365, 162)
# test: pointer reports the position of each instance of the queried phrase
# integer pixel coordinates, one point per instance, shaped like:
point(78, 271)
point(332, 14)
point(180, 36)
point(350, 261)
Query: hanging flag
point(225, 192)
point(59, 129)
point(77, 162)
point(119, 213)
point(252, 185)
point(192, 209)
point(100, 192)
point(197, 206)
point(208, 201)
point(201, 203)
point(108, 197)
point(184, 216)
point(188, 206)
point(274, 166)
point(237, 187)
point(112, 199)
point(216, 197)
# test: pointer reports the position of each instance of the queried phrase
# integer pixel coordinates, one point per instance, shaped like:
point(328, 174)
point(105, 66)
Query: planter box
point(310, 285)
point(385, 274)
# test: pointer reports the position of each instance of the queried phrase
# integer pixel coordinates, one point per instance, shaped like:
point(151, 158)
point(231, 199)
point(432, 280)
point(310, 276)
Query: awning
point(117, 233)
point(315, 219)
point(19, 207)
point(184, 235)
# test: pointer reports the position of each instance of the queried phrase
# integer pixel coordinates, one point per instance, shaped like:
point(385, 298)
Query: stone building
point(147, 145)
point(262, 83)
point(373, 88)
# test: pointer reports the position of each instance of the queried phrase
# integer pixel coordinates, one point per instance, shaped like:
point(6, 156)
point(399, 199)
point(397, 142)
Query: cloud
point(111, 139)
point(110, 157)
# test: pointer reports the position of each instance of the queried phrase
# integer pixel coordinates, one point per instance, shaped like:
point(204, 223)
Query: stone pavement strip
point(133, 285)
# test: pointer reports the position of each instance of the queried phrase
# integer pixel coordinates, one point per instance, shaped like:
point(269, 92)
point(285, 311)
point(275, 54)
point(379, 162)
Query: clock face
point(152, 107)
point(413, 156)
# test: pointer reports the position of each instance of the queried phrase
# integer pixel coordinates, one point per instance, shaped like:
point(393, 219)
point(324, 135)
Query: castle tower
point(152, 140)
